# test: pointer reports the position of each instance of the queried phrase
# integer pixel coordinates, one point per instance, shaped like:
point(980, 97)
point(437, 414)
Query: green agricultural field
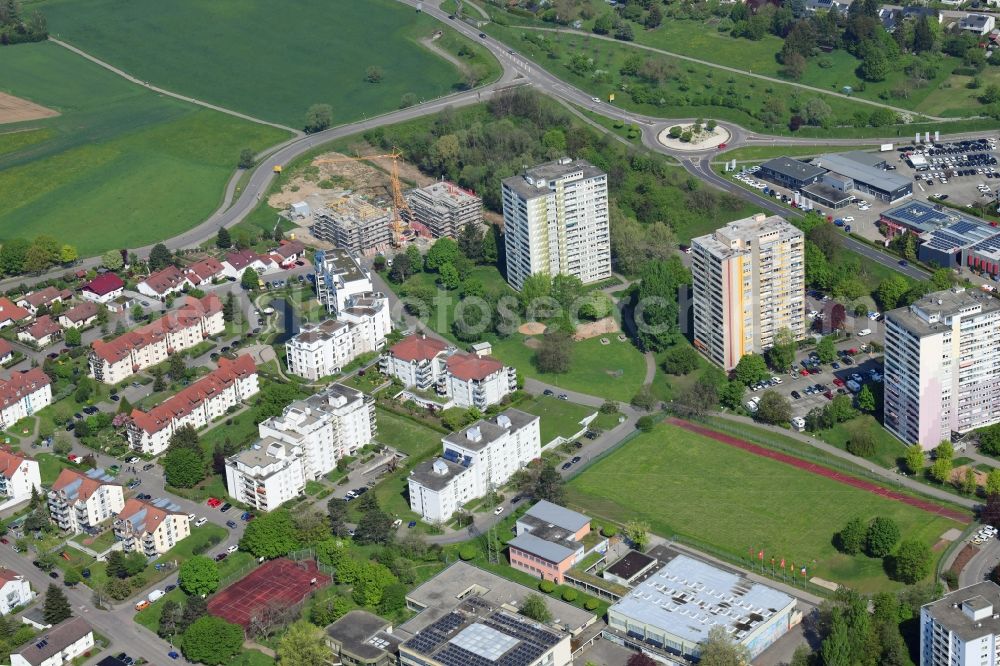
point(559, 418)
point(120, 167)
point(761, 153)
point(735, 501)
point(270, 60)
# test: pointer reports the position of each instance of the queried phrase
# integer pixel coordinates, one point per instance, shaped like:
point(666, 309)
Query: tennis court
point(280, 581)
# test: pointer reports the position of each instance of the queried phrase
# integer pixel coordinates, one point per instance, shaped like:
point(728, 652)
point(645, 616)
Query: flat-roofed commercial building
point(556, 222)
point(942, 366)
point(864, 172)
point(791, 173)
point(749, 284)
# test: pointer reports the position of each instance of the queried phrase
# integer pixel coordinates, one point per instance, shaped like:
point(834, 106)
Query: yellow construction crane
point(401, 230)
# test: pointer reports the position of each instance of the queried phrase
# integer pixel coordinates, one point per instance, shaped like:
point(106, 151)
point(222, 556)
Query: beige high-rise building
point(555, 219)
point(749, 284)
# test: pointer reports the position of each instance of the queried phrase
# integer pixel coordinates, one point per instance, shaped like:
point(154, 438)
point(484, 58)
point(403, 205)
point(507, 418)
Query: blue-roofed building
point(550, 540)
point(946, 246)
point(671, 611)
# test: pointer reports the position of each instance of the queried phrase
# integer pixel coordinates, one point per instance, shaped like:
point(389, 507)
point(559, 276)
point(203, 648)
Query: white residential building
point(476, 459)
point(197, 405)
point(162, 283)
point(327, 426)
point(457, 378)
point(23, 394)
point(339, 277)
point(962, 628)
point(236, 263)
point(80, 501)
point(18, 476)
point(321, 350)
point(941, 359)
point(148, 529)
point(196, 319)
point(15, 590)
point(59, 645)
point(266, 475)
point(749, 284)
point(556, 221)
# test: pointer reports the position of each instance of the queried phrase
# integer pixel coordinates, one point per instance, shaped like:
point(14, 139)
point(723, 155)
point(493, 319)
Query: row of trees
point(19, 256)
point(908, 561)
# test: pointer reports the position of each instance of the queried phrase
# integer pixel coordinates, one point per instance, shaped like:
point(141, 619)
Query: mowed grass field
point(736, 501)
point(559, 418)
point(271, 60)
point(121, 166)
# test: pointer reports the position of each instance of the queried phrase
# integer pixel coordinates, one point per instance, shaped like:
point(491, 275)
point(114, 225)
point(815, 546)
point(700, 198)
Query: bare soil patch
point(596, 328)
point(967, 553)
point(531, 328)
point(16, 110)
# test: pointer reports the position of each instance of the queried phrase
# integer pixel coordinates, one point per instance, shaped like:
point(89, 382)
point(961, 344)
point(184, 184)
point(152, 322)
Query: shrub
point(609, 531)
point(547, 586)
point(861, 444)
point(467, 553)
point(569, 594)
point(591, 604)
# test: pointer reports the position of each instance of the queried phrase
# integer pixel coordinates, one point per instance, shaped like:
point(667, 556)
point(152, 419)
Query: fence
point(231, 578)
point(310, 554)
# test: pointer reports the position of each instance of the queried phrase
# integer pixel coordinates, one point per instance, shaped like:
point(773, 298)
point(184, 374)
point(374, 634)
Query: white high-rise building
point(339, 276)
point(475, 459)
point(942, 366)
point(556, 221)
point(749, 284)
point(302, 444)
point(962, 628)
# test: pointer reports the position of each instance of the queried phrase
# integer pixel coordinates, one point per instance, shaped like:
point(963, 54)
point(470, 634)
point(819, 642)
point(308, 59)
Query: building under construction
point(445, 208)
point(355, 225)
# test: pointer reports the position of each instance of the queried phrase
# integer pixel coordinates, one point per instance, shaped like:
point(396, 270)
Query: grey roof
point(54, 640)
point(363, 635)
point(559, 516)
point(826, 192)
point(977, 21)
point(425, 475)
point(259, 455)
point(524, 185)
point(927, 315)
point(547, 550)
point(630, 565)
point(478, 435)
point(340, 262)
point(687, 597)
point(739, 237)
point(792, 168)
point(977, 597)
point(857, 168)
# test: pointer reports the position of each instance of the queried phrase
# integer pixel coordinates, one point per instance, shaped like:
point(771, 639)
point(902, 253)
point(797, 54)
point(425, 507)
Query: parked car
point(231, 524)
point(567, 465)
point(148, 466)
point(201, 521)
point(497, 511)
point(221, 556)
point(213, 502)
point(225, 507)
point(232, 549)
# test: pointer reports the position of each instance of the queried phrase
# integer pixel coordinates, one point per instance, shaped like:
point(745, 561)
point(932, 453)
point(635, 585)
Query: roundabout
point(690, 140)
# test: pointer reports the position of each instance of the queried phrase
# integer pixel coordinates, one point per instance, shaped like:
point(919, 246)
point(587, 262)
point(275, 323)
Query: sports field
point(271, 60)
point(278, 582)
point(734, 500)
point(120, 166)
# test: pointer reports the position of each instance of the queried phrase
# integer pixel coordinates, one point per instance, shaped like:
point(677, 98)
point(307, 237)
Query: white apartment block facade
point(80, 501)
point(115, 361)
point(962, 628)
point(18, 477)
point(197, 405)
point(339, 277)
point(749, 284)
point(556, 221)
point(15, 591)
point(142, 527)
point(478, 458)
point(942, 366)
point(22, 395)
point(266, 475)
point(321, 350)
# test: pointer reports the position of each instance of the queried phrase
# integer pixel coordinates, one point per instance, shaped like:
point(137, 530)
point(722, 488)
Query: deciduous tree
point(199, 575)
point(882, 535)
point(303, 644)
point(852, 537)
point(535, 608)
point(318, 118)
point(912, 561)
point(270, 535)
point(211, 640)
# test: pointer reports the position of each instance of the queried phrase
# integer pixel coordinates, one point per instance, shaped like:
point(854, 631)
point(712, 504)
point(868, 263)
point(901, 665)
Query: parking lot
point(953, 172)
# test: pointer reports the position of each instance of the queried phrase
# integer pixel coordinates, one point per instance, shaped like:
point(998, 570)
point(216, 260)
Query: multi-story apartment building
point(354, 225)
point(445, 208)
point(80, 501)
point(475, 460)
point(196, 319)
point(962, 628)
point(556, 221)
point(339, 277)
point(69, 640)
point(148, 529)
point(18, 477)
point(208, 399)
point(327, 426)
point(460, 379)
point(266, 475)
point(749, 284)
point(942, 366)
point(323, 349)
point(15, 591)
point(23, 394)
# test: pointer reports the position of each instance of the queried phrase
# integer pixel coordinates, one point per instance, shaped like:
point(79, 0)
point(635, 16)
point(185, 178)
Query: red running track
point(924, 505)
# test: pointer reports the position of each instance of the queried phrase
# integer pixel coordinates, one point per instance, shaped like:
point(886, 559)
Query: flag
point(782, 563)
point(803, 571)
point(760, 555)
point(772, 561)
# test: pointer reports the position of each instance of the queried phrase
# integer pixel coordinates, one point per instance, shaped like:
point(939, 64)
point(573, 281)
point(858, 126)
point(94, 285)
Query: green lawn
point(761, 153)
point(412, 438)
point(888, 449)
point(50, 465)
point(736, 501)
point(229, 52)
point(121, 166)
point(558, 417)
point(99, 544)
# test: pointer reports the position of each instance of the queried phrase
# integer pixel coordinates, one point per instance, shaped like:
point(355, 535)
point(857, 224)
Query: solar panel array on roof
point(98, 474)
point(944, 241)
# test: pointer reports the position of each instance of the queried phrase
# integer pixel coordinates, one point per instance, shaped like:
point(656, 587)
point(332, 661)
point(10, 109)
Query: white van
point(865, 331)
point(154, 595)
point(799, 423)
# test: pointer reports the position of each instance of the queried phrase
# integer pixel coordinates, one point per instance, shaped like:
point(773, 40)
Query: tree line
point(17, 28)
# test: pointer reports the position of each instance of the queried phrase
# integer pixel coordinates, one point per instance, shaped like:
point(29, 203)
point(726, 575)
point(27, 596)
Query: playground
point(281, 582)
